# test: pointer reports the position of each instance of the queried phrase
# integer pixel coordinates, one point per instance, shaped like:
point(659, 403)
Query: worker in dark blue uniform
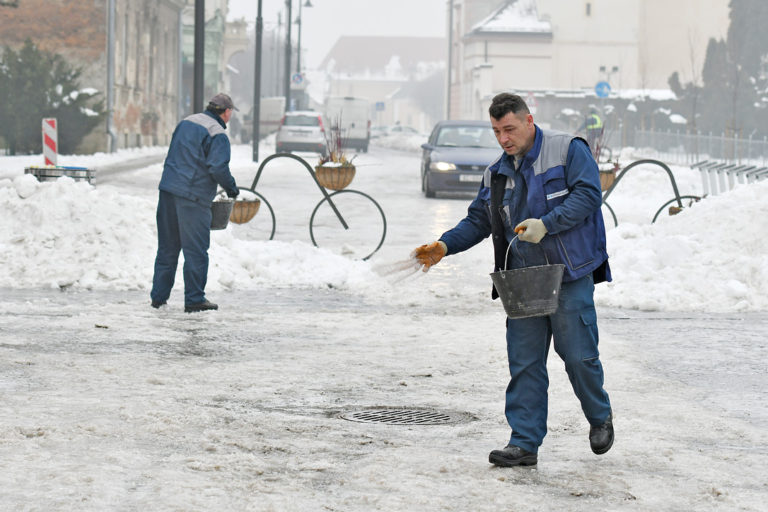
point(543, 189)
point(197, 162)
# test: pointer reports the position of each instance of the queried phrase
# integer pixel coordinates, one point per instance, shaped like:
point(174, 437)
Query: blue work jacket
point(198, 159)
point(558, 182)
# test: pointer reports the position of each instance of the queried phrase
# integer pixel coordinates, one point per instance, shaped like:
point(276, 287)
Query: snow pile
point(64, 233)
point(712, 256)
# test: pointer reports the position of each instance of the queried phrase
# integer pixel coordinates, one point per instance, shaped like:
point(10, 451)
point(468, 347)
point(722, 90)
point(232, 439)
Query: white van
point(355, 117)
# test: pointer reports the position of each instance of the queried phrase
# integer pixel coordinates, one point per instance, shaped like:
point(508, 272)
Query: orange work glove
point(430, 254)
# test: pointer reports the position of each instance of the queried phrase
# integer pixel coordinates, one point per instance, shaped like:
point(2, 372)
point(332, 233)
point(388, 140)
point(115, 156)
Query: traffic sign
point(380, 106)
point(297, 78)
point(602, 89)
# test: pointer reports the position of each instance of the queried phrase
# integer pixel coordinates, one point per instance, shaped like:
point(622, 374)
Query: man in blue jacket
point(197, 161)
point(546, 187)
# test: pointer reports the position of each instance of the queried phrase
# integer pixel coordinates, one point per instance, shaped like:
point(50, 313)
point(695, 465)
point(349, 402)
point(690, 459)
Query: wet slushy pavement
point(110, 404)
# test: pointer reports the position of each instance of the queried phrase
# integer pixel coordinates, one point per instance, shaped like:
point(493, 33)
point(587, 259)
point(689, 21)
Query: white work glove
point(531, 230)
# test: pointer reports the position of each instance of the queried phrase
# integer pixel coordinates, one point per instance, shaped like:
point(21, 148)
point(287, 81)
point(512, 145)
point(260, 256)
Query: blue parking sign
point(379, 106)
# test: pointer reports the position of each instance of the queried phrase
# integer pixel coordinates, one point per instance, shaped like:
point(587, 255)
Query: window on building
point(137, 52)
point(152, 52)
point(589, 8)
point(124, 66)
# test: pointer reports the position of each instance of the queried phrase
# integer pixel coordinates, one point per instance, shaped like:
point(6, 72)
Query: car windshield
point(467, 137)
point(301, 121)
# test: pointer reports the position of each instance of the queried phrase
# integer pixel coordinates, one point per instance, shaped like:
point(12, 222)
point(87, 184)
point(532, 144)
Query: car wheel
point(427, 189)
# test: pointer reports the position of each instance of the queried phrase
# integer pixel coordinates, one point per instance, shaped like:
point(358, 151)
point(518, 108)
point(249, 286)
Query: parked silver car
point(301, 130)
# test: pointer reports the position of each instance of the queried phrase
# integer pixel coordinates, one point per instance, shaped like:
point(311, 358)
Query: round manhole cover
point(405, 416)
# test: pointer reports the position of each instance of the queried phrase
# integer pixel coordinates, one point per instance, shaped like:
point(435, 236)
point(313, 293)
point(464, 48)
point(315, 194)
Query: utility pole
point(257, 86)
point(111, 76)
point(287, 83)
point(197, 93)
point(450, 61)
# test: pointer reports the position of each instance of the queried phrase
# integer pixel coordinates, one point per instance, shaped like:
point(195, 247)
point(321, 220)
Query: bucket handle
point(506, 254)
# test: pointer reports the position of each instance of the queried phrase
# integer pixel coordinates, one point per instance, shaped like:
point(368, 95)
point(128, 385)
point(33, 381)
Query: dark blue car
point(456, 155)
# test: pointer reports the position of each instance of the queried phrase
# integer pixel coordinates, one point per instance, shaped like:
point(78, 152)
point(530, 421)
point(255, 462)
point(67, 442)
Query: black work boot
point(512, 455)
point(601, 436)
point(200, 306)
point(157, 303)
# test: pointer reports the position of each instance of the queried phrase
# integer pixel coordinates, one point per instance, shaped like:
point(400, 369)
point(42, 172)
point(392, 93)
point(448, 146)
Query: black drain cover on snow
point(404, 416)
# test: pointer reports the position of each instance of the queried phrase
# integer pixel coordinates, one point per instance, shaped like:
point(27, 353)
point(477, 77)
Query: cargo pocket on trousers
point(589, 335)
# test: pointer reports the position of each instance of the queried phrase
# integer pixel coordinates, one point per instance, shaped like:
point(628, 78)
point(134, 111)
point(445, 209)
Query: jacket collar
point(217, 118)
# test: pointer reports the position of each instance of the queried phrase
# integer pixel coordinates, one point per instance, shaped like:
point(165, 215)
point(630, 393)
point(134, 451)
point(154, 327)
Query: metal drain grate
point(404, 416)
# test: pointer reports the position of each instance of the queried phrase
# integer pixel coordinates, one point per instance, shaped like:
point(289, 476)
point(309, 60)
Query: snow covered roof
point(358, 55)
point(514, 16)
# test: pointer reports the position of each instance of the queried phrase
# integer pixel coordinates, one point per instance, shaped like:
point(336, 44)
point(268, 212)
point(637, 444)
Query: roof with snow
point(358, 54)
point(513, 17)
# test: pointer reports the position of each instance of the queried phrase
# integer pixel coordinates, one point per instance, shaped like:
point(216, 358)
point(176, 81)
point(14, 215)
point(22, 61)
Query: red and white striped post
point(50, 140)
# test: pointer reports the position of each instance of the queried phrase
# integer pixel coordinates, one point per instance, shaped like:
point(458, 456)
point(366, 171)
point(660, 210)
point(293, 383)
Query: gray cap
point(222, 100)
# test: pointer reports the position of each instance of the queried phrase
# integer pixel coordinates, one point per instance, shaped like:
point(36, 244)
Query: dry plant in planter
point(334, 171)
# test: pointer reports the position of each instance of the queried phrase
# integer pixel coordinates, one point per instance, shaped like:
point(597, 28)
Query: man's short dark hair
point(216, 109)
point(504, 103)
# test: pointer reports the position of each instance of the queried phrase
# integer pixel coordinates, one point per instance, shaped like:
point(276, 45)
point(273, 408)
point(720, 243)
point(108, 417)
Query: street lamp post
point(199, 69)
point(608, 73)
point(287, 80)
point(298, 39)
point(256, 118)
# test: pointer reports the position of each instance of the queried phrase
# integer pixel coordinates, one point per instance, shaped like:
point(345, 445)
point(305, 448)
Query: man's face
point(226, 115)
point(515, 132)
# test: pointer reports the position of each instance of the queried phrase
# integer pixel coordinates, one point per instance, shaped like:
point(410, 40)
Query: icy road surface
point(110, 405)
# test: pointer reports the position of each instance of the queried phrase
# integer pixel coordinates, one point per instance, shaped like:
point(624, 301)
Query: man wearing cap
point(197, 161)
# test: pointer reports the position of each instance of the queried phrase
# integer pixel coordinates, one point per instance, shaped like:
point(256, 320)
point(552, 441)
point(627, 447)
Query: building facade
point(152, 39)
point(395, 74)
point(571, 45)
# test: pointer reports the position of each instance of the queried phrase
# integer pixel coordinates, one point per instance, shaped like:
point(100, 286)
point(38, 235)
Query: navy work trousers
point(182, 225)
point(574, 329)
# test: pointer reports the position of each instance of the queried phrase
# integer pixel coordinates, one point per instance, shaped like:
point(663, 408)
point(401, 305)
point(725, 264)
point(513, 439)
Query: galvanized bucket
point(529, 291)
point(221, 210)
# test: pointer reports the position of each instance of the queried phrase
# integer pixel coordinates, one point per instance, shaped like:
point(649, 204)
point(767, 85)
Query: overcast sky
point(328, 19)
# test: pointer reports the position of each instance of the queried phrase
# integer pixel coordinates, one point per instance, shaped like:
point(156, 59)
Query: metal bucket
point(221, 210)
point(530, 291)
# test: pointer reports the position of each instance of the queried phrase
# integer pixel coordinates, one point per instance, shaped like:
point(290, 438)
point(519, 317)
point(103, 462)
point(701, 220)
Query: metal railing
point(688, 148)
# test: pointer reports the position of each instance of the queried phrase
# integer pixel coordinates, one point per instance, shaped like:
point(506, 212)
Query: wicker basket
point(607, 178)
point(335, 178)
point(243, 211)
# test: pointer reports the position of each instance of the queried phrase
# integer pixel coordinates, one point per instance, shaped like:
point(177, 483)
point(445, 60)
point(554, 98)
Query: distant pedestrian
point(197, 161)
point(546, 187)
point(594, 129)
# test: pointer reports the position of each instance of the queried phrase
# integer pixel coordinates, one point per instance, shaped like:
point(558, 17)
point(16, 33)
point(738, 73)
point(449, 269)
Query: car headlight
point(442, 166)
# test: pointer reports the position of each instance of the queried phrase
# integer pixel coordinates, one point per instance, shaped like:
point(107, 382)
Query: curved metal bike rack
point(326, 197)
point(678, 198)
point(337, 192)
